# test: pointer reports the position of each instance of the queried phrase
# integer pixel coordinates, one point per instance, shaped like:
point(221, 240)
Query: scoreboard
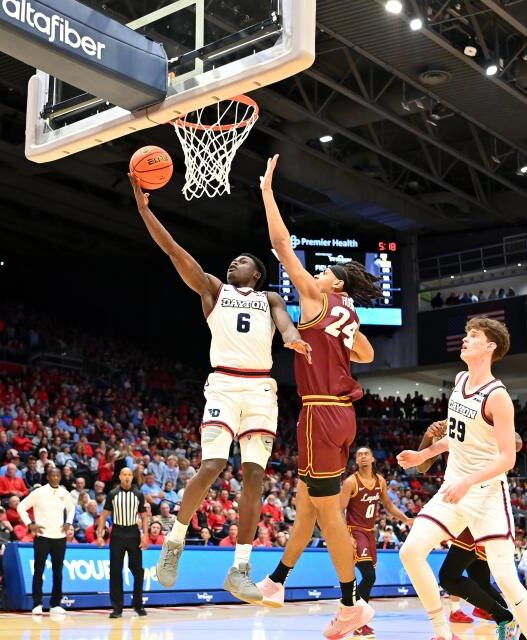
point(380, 257)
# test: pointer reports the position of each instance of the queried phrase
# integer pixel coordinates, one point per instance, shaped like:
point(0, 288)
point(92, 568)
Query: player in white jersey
point(240, 393)
point(481, 444)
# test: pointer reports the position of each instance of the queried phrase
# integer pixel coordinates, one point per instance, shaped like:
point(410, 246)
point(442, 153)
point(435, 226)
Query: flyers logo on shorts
point(214, 413)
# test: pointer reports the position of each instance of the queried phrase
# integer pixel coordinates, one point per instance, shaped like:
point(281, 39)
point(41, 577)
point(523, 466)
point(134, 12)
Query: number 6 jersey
point(331, 335)
point(471, 440)
point(242, 330)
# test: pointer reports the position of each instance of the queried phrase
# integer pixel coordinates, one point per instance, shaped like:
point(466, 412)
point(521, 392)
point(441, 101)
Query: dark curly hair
point(358, 283)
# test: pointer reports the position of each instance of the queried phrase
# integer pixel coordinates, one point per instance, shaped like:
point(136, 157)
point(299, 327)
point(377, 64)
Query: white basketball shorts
point(246, 408)
point(485, 509)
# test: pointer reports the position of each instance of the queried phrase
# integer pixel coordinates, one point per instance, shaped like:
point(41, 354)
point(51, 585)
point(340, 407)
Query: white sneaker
point(37, 610)
point(273, 592)
point(57, 611)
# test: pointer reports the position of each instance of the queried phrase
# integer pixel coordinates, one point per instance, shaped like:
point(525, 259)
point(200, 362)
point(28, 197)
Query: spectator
point(80, 486)
point(465, 298)
point(271, 506)
point(12, 458)
point(387, 541)
point(267, 524)
point(473, 297)
point(186, 473)
point(510, 292)
point(281, 539)
point(10, 485)
point(11, 512)
point(236, 482)
point(42, 460)
point(481, 296)
point(231, 539)
point(290, 511)
point(87, 518)
point(165, 518)
point(170, 495)
point(30, 475)
point(493, 295)
point(437, 301)
point(453, 298)
point(216, 519)
point(155, 535)
point(501, 293)
point(152, 492)
point(158, 469)
point(263, 539)
point(206, 536)
point(65, 458)
point(70, 536)
point(68, 479)
point(224, 500)
point(172, 470)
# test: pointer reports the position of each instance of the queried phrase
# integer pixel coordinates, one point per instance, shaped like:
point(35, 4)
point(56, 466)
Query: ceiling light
point(471, 51)
point(491, 69)
point(451, 277)
point(416, 24)
point(394, 6)
point(523, 170)
point(327, 138)
point(519, 264)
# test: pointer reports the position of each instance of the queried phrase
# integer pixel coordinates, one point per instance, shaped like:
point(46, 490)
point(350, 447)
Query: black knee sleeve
point(321, 487)
point(367, 571)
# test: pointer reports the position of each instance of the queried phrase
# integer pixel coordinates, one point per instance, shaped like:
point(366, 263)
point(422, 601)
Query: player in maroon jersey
point(465, 556)
point(360, 495)
point(326, 426)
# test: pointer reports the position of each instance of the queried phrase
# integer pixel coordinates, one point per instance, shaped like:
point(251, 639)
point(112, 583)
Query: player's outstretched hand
point(453, 492)
point(140, 197)
point(437, 429)
point(266, 181)
point(300, 347)
point(408, 458)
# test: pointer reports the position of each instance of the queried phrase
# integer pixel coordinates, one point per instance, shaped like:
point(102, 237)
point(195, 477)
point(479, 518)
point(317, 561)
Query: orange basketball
point(153, 166)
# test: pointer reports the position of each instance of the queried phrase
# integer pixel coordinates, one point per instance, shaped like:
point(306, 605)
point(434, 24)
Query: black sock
point(281, 573)
point(349, 593)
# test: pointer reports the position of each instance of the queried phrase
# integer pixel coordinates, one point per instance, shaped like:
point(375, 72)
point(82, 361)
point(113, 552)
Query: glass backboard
point(216, 49)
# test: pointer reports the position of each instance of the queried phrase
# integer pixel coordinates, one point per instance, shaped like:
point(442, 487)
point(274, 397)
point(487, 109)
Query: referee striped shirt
point(125, 505)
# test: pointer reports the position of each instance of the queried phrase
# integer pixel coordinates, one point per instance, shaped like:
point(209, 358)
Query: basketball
point(153, 166)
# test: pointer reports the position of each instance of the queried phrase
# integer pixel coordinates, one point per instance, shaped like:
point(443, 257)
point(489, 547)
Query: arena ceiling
point(423, 140)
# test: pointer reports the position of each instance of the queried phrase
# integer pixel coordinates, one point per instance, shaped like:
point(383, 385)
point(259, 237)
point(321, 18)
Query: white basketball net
point(210, 138)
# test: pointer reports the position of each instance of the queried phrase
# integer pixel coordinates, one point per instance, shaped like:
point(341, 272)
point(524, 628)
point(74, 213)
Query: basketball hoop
point(210, 138)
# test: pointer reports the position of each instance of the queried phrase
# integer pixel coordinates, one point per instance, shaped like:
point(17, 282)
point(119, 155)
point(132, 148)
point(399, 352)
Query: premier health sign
point(86, 576)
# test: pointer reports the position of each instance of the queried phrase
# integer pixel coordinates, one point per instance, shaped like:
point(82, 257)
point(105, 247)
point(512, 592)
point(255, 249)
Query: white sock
point(454, 606)
point(439, 625)
point(242, 554)
point(178, 533)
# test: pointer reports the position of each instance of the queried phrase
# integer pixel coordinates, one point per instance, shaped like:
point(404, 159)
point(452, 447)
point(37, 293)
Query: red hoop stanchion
point(210, 138)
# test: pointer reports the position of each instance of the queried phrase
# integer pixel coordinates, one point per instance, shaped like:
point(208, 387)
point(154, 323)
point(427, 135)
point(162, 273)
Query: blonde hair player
point(481, 444)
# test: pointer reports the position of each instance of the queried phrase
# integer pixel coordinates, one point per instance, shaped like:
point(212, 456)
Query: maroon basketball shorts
point(326, 431)
point(366, 550)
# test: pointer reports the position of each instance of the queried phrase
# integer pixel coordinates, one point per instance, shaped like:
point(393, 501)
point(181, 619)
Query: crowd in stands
point(144, 413)
point(469, 297)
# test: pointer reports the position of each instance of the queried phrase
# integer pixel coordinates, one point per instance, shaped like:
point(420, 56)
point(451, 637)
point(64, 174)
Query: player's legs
point(272, 587)
point(366, 559)
point(424, 536)
point(367, 571)
point(453, 581)
point(479, 572)
point(500, 557)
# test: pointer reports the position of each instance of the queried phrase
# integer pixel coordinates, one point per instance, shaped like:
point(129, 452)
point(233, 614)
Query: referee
point(124, 503)
point(53, 510)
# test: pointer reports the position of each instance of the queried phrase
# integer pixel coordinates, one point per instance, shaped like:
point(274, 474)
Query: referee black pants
point(56, 547)
point(125, 540)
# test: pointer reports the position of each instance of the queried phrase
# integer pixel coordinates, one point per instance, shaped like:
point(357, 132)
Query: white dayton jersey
point(471, 440)
point(242, 329)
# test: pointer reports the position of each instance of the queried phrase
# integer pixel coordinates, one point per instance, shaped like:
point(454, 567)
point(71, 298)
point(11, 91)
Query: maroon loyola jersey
point(331, 335)
point(362, 507)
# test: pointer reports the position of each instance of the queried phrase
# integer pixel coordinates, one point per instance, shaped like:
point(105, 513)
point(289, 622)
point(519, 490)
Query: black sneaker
point(141, 611)
point(116, 614)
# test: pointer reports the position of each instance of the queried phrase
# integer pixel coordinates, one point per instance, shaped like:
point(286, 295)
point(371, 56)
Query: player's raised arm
point(410, 458)
point(188, 268)
point(290, 334)
point(435, 432)
point(281, 240)
point(362, 349)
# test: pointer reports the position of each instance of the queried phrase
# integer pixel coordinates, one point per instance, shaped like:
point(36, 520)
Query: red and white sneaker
point(460, 617)
point(481, 613)
point(365, 631)
point(348, 620)
point(273, 592)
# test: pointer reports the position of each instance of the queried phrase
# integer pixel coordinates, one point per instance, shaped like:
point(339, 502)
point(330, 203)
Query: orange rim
point(180, 122)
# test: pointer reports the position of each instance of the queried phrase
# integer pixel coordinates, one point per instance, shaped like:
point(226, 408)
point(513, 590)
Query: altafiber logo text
point(54, 26)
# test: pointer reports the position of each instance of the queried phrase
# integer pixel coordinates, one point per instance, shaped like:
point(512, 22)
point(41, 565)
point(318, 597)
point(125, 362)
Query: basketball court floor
point(396, 619)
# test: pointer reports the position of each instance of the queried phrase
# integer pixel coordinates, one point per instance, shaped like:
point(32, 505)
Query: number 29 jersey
point(331, 335)
point(471, 440)
point(242, 330)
